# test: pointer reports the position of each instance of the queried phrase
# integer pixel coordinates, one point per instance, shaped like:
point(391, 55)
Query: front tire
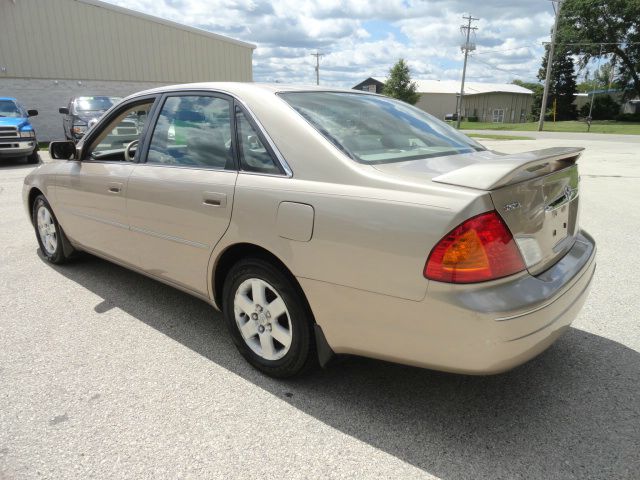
point(34, 158)
point(268, 319)
point(48, 231)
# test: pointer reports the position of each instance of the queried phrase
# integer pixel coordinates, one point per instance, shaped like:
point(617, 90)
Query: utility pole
point(317, 55)
point(466, 47)
point(547, 79)
point(593, 93)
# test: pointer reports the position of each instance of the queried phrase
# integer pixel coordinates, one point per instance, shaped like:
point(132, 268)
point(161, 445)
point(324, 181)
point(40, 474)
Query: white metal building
point(51, 50)
point(487, 102)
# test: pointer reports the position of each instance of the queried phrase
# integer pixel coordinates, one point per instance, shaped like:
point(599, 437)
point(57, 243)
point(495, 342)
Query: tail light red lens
point(480, 249)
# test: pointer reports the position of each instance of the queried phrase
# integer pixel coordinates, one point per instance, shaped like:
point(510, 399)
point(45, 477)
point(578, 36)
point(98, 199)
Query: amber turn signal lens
point(480, 249)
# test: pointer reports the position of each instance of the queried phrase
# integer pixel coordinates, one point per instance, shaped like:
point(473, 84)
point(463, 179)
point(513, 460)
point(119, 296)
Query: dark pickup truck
point(82, 113)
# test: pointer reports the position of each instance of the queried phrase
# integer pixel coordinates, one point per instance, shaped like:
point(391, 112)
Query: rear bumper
point(16, 148)
point(477, 329)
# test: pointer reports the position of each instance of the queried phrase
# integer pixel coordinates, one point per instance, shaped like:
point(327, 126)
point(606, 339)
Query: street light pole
point(545, 95)
point(468, 29)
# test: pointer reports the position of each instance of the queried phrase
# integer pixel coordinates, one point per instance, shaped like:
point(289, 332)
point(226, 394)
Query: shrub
point(628, 117)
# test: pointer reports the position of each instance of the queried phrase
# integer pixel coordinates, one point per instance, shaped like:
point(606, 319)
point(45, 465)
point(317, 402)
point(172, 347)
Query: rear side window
point(254, 154)
point(375, 129)
point(193, 131)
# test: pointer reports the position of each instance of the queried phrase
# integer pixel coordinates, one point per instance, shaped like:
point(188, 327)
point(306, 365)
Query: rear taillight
point(480, 249)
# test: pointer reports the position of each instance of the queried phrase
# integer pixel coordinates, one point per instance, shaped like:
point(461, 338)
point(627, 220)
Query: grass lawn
point(598, 126)
point(498, 137)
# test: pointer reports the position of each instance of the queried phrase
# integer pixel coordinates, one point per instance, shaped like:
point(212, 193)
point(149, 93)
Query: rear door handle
point(214, 199)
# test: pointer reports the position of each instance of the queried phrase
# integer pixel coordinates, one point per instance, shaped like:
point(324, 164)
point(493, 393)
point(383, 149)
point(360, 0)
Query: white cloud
point(362, 38)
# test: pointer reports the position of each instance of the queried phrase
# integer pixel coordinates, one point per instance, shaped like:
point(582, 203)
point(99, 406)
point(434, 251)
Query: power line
point(496, 68)
point(594, 43)
point(467, 46)
point(486, 52)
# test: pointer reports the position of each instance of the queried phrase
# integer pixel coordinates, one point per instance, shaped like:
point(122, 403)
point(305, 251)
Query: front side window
point(375, 129)
point(8, 108)
point(194, 131)
point(119, 133)
point(254, 155)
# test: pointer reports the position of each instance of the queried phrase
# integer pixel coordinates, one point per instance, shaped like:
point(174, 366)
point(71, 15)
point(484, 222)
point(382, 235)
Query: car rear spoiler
point(510, 169)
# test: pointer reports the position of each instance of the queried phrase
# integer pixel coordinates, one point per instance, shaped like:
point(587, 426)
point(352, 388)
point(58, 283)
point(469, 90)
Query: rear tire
point(49, 233)
point(268, 319)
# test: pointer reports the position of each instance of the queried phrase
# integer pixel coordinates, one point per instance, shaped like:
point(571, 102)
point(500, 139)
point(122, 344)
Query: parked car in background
point(326, 221)
point(17, 136)
point(83, 112)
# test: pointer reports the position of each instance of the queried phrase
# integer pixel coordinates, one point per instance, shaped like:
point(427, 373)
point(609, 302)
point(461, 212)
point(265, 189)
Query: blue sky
point(364, 38)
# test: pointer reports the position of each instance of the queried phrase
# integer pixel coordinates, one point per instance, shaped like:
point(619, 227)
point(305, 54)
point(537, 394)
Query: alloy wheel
point(47, 230)
point(263, 319)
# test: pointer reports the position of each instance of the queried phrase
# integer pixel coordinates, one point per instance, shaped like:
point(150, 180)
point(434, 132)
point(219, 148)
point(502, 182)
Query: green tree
point(563, 84)
point(604, 108)
point(591, 28)
point(538, 90)
point(399, 84)
point(604, 78)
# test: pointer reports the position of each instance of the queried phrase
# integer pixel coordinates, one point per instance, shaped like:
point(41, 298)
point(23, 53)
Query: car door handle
point(214, 199)
point(114, 187)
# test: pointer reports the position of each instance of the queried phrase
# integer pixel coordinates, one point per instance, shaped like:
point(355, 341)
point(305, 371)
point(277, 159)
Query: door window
point(254, 155)
point(118, 134)
point(193, 131)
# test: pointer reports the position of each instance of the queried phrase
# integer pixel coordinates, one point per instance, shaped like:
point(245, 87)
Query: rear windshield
point(95, 104)
point(376, 129)
point(8, 108)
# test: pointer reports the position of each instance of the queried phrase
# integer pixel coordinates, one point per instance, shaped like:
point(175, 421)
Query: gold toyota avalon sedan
point(324, 222)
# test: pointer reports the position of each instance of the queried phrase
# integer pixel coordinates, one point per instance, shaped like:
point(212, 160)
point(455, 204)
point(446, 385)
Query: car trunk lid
point(535, 193)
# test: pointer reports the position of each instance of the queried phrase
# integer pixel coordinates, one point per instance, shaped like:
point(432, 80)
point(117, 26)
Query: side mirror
point(62, 150)
point(32, 113)
point(63, 110)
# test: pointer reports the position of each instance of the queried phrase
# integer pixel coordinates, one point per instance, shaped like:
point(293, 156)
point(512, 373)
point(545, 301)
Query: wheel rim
point(263, 319)
point(47, 230)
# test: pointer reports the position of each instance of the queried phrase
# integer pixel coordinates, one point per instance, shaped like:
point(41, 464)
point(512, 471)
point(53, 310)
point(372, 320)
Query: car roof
point(9, 98)
point(240, 88)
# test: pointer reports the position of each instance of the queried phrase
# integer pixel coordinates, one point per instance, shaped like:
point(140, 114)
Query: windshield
point(95, 104)
point(8, 108)
point(375, 129)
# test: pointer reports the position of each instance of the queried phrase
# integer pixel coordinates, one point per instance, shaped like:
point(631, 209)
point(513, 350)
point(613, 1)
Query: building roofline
point(162, 21)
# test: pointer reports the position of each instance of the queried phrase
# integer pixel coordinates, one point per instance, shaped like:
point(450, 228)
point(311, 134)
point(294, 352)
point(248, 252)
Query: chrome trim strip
point(139, 230)
point(170, 238)
point(96, 219)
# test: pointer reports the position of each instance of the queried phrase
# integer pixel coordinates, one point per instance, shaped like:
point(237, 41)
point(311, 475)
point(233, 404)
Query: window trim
point(164, 96)
point(276, 156)
point(499, 115)
point(112, 113)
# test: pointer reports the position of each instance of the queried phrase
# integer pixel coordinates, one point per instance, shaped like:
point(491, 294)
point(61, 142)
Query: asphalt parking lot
point(107, 374)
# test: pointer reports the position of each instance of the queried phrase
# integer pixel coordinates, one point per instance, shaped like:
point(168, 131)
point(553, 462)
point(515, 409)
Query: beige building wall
point(51, 50)
point(499, 107)
point(437, 104)
point(87, 40)
point(516, 107)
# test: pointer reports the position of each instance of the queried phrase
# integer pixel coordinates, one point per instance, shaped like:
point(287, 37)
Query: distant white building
point(486, 102)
